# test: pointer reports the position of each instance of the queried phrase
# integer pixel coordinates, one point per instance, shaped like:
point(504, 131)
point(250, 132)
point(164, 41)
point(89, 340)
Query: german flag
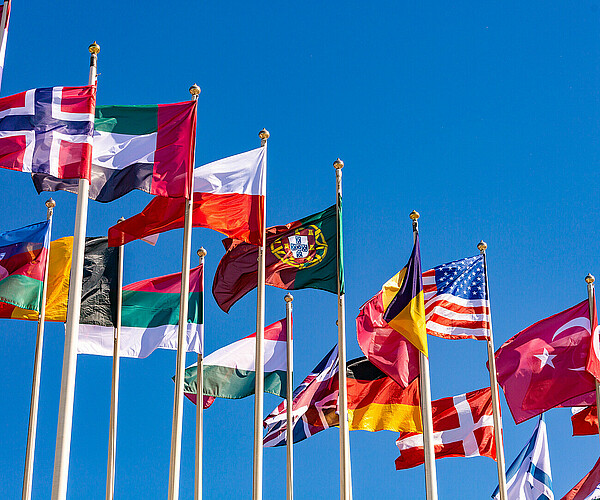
point(376, 402)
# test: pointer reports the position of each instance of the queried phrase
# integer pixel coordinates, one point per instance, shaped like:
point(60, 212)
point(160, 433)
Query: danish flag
point(463, 426)
point(48, 130)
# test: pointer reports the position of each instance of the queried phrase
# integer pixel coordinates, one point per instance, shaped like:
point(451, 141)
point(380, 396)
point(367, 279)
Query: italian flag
point(150, 317)
point(230, 371)
point(149, 148)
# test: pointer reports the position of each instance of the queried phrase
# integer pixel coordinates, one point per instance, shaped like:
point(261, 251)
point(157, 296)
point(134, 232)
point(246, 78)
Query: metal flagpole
point(114, 392)
point(259, 358)
point(67, 388)
point(345, 475)
point(37, 369)
point(289, 395)
point(175, 464)
point(426, 417)
point(200, 395)
point(482, 246)
point(589, 279)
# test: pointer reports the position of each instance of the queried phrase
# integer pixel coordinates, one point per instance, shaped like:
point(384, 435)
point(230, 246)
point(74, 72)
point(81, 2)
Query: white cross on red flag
point(463, 426)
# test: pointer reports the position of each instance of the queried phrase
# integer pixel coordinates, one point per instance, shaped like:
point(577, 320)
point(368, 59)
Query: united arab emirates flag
point(301, 254)
point(137, 147)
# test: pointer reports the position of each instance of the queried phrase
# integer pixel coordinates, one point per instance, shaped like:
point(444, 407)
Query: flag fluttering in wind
point(545, 364)
point(4, 20)
point(588, 488)
point(585, 421)
point(229, 197)
point(301, 254)
point(456, 306)
point(529, 477)
point(48, 130)
point(463, 426)
point(137, 147)
point(230, 372)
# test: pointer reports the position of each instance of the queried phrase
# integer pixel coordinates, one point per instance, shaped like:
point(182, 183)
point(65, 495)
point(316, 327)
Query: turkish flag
point(545, 365)
point(593, 362)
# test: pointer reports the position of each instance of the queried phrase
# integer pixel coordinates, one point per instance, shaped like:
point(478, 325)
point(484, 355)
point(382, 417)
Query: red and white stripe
point(453, 317)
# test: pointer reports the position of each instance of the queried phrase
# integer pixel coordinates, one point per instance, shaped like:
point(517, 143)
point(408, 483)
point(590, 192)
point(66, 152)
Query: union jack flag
point(314, 406)
point(48, 130)
point(456, 305)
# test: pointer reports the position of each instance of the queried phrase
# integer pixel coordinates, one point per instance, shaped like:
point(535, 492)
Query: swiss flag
point(463, 426)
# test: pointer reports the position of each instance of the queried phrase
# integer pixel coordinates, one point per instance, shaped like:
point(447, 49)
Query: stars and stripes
point(456, 305)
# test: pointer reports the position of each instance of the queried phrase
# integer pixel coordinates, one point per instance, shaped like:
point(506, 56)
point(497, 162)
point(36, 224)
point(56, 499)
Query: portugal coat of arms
point(305, 248)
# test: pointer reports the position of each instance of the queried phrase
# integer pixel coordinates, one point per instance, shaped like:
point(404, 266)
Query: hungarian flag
point(230, 372)
point(23, 259)
point(585, 421)
point(229, 197)
point(48, 130)
point(149, 148)
point(463, 426)
point(301, 254)
point(544, 365)
point(588, 488)
point(4, 18)
point(149, 315)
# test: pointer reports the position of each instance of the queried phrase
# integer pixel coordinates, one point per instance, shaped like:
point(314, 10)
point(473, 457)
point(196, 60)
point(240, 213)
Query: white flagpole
point(37, 369)
point(289, 396)
point(589, 279)
point(345, 474)
point(114, 392)
point(200, 395)
point(175, 465)
point(482, 246)
point(259, 364)
point(3, 32)
point(426, 416)
point(67, 388)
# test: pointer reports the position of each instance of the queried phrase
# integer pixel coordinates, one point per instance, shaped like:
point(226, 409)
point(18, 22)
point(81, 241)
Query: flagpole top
point(94, 48)
point(264, 134)
point(195, 90)
point(589, 279)
point(121, 219)
point(50, 203)
point(482, 246)
point(338, 164)
point(288, 297)
point(414, 215)
point(201, 252)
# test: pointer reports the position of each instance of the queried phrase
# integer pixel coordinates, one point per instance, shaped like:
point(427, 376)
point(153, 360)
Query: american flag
point(456, 305)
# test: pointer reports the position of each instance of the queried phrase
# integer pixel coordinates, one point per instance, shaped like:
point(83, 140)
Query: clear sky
point(481, 116)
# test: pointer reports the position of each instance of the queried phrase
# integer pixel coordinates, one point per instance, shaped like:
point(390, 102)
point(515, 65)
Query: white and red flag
point(593, 361)
point(463, 426)
point(4, 18)
point(48, 130)
point(588, 488)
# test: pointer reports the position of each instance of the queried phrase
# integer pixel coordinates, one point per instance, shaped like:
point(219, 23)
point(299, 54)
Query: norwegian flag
point(456, 306)
point(48, 130)
point(463, 426)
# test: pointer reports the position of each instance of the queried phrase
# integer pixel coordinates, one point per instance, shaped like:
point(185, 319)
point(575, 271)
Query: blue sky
point(483, 117)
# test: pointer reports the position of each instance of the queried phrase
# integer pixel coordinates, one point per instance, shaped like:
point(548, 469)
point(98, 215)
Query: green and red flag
point(301, 254)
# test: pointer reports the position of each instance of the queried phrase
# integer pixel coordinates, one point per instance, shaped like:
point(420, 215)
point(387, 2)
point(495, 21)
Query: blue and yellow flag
point(404, 304)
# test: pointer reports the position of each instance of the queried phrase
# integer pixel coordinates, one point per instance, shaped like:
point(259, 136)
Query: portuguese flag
point(137, 147)
point(301, 254)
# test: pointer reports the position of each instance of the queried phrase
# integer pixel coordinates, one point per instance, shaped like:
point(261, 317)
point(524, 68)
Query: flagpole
point(67, 388)
point(289, 394)
point(259, 365)
point(37, 369)
point(589, 279)
point(177, 426)
point(426, 415)
point(345, 474)
point(114, 392)
point(200, 395)
point(482, 246)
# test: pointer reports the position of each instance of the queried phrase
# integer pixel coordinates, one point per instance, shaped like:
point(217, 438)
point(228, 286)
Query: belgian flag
point(376, 402)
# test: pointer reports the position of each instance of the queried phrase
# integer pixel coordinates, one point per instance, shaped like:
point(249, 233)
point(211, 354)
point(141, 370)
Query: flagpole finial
point(121, 219)
point(589, 279)
point(195, 91)
point(201, 252)
point(414, 215)
point(50, 203)
point(482, 246)
point(94, 48)
point(338, 164)
point(264, 134)
point(288, 297)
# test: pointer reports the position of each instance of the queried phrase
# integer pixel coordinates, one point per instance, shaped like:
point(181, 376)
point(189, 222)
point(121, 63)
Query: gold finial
point(195, 90)
point(288, 297)
point(50, 203)
point(414, 215)
point(589, 279)
point(201, 252)
point(121, 219)
point(264, 134)
point(482, 246)
point(94, 48)
point(338, 164)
